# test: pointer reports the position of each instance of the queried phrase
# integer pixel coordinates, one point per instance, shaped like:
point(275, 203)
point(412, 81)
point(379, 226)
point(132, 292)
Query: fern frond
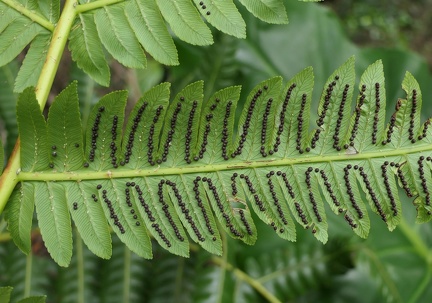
point(17, 31)
point(8, 106)
point(5, 294)
point(176, 171)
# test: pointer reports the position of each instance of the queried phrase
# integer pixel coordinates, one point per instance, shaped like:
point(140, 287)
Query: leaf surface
point(118, 38)
point(86, 49)
point(149, 27)
point(185, 21)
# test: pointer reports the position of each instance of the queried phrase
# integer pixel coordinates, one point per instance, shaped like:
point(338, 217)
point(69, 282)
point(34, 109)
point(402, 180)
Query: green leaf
point(17, 35)
point(370, 111)
point(54, 221)
point(7, 16)
point(185, 21)
point(19, 215)
point(224, 16)
point(88, 217)
point(32, 65)
point(50, 9)
point(5, 293)
point(271, 11)
point(118, 37)
point(107, 120)
point(1, 156)
point(64, 131)
point(8, 106)
point(32, 131)
point(33, 299)
point(149, 27)
point(86, 49)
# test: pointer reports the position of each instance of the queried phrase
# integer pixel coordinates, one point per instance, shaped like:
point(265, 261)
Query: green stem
point(80, 267)
point(425, 283)
point(9, 178)
point(30, 14)
point(28, 275)
point(248, 279)
point(418, 244)
point(82, 8)
point(179, 278)
point(229, 165)
point(126, 275)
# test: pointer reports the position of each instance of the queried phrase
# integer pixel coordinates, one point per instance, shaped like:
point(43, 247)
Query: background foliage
point(393, 267)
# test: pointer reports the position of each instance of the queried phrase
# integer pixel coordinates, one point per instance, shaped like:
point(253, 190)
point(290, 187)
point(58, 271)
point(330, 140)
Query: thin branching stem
point(28, 274)
point(82, 8)
point(246, 278)
point(80, 267)
point(30, 14)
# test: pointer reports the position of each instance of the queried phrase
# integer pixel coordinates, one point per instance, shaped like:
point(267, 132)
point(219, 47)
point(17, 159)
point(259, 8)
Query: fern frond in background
point(124, 28)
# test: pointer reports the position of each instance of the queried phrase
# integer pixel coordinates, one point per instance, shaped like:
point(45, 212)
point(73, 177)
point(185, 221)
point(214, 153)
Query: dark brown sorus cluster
point(275, 198)
point(282, 119)
point(203, 6)
point(224, 138)
point(204, 143)
point(147, 211)
point(251, 188)
point(326, 105)
point(186, 212)
point(245, 222)
point(423, 179)
point(371, 192)
point(350, 192)
point(376, 116)
point(201, 205)
point(165, 207)
point(412, 117)
point(390, 128)
point(388, 188)
point(301, 213)
point(188, 136)
point(150, 143)
point(311, 195)
point(287, 184)
point(141, 199)
point(129, 145)
point(264, 127)
point(94, 136)
point(330, 190)
point(129, 203)
point(109, 204)
point(357, 116)
point(246, 125)
point(171, 132)
point(220, 206)
point(340, 118)
point(113, 144)
point(327, 98)
point(403, 181)
point(300, 121)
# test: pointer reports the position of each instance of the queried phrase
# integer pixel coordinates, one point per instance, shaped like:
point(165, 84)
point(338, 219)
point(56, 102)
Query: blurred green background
point(387, 267)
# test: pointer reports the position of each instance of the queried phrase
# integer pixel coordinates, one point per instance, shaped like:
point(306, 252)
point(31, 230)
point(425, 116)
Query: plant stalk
point(9, 178)
point(82, 8)
point(248, 279)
